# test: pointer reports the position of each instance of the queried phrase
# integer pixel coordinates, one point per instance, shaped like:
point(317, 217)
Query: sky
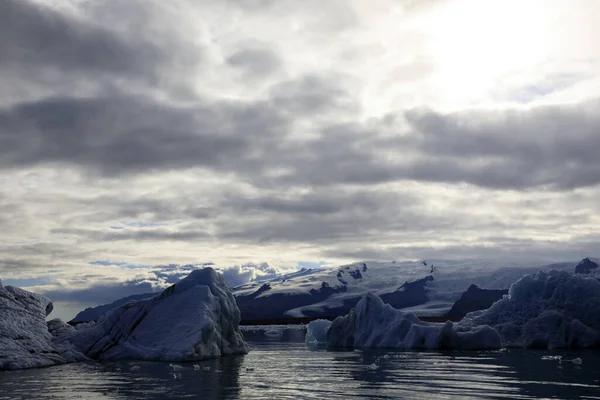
point(141, 137)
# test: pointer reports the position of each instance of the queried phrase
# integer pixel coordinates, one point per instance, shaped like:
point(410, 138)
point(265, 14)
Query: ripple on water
point(288, 370)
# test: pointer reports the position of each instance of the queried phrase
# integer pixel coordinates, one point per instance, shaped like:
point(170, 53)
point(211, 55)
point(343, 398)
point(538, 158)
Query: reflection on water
point(283, 368)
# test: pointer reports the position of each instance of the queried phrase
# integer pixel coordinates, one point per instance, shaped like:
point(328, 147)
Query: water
point(284, 368)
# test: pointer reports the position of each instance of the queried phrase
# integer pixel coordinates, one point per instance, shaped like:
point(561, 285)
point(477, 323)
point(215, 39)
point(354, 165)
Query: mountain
point(425, 288)
point(475, 299)
point(587, 266)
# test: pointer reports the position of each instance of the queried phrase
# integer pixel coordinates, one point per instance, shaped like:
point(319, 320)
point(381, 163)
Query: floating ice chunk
point(273, 333)
point(196, 367)
point(551, 309)
point(375, 324)
point(372, 367)
point(175, 367)
point(316, 331)
point(558, 358)
point(577, 361)
point(194, 319)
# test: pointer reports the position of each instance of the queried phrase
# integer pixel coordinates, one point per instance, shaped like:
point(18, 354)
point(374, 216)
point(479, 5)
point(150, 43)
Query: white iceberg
point(551, 309)
point(316, 331)
point(372, 323)
point(194, 319)
point(545, 310)
point(26, 340)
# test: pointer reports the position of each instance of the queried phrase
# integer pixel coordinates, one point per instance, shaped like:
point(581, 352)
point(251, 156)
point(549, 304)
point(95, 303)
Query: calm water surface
point(284, 368)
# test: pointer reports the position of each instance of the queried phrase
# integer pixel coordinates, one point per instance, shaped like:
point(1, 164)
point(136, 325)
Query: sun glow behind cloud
point(477, 45)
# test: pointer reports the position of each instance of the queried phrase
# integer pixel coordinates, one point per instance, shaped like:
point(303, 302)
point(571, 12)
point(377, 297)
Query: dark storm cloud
point(37, 37)
point(123, 135)
point(333, 218)
point(551, 146)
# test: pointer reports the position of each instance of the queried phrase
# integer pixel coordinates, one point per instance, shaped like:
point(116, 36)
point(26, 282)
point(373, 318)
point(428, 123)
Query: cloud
point(241, 274)
point(252, 130)
point(35, 35)
point(146, 279)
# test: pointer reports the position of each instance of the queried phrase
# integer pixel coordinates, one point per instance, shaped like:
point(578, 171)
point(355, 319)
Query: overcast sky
point(147, 133)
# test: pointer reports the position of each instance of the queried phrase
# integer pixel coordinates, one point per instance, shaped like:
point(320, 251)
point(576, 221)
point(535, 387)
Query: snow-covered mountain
point(428, 288)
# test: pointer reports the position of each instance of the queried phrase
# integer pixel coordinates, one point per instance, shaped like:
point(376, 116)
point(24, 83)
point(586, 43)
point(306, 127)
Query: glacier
point(548, 309)
point(195, 319)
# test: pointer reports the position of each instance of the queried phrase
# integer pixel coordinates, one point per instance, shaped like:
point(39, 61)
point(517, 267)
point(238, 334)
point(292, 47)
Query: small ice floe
point(372, 367)
point(273, 333)
point(176, 375)
point(134, 368)
point(385, 357)
point(175, 367)
point(577, 361)
point(556, 358)
point(196, 367)
point(206, 369)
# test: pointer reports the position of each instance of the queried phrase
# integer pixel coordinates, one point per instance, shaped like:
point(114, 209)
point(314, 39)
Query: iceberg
point(94, 313)
point(548, 309)
point(26, 340)
point(316, 331)
point(553, 309)
point(372, 323)
point(194, 319)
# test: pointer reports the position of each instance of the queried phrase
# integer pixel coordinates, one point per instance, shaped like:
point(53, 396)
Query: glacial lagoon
point(283, 367)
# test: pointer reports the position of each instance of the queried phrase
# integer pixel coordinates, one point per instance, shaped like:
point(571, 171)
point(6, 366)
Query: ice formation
point(194, 319)
point(91, 314)
point(316, 331)
point(372, 323)
point(544, 310)
point(274, 333)
point(26, 340)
